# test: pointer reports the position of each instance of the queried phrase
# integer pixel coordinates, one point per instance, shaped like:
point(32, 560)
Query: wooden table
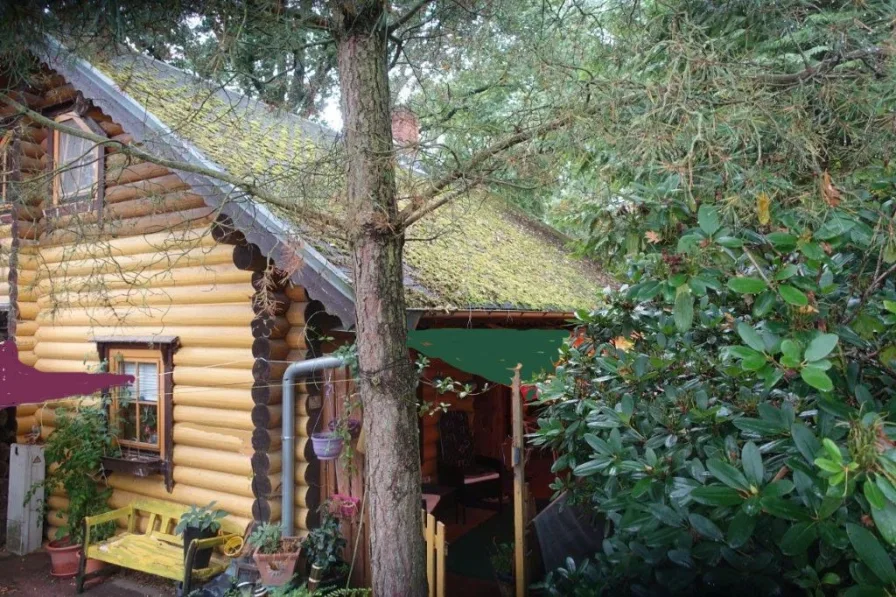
point(435, 496)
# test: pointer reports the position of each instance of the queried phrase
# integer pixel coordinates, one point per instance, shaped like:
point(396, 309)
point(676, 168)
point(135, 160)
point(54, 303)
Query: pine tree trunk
point(388, 378)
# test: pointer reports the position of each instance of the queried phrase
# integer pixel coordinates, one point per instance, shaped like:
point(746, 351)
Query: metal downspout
point(288, 475)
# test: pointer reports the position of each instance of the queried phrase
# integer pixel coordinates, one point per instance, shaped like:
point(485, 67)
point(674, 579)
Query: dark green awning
point(491, 353)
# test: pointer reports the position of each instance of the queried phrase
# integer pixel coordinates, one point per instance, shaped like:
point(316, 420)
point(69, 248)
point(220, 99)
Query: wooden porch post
point(519, 488)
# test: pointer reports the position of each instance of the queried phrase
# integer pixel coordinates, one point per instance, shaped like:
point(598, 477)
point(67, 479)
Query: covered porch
point(465, 438)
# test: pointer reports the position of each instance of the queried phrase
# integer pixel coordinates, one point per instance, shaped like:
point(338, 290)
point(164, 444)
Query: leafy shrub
point(200, 518)
point(74, 453)
point(728, 412)
point(323, 545)
point(267, 538)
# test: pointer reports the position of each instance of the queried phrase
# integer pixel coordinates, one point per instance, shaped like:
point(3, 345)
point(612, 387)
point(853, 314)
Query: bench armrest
point(111, 516)
point(197, 544)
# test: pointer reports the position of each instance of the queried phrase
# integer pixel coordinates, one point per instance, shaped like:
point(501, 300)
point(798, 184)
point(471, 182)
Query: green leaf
point(782, 241)
point(789, 271)
point(885, 521)
point(778, 488)
point(764, 303)
point(750, 337)
point(793, 296)
point(817, 378)
point(791, 350)
point(811, 250)
point(821, 346)
point(871, 553)
point(834, 227)
point(805, 441)
point(727, 474)
point(743, 352)
point(744, 285)
point(890, 306)
point(752, 461)
point(708, 219)
point(716, 495)
point(832, 449)
point(784, 508)
point(758, 426)
point(754, 363)
point(730, 242)
point(828, 506)
point(828, 465)
point(597, 444)
point(589, 468)
point(684, 308)
point(741, 529)
point(705, 527)
point(874, 495)
point(886, 488)
point(798, 538)
point(682, 557)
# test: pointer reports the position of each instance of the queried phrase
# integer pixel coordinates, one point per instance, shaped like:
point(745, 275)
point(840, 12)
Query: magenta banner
point(21, 384)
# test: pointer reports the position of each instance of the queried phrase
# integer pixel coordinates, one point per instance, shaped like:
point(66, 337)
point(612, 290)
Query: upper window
point(5, 169)
point(77, 163)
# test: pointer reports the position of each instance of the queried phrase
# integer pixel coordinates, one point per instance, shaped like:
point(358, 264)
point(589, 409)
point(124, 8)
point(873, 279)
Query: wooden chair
point(474, 477)
point(155, 551)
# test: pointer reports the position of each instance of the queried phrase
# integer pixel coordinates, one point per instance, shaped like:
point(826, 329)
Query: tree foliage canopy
point(729, 409)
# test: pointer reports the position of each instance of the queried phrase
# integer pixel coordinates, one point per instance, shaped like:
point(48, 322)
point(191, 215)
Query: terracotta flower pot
point(275, 569)
point(64, 558)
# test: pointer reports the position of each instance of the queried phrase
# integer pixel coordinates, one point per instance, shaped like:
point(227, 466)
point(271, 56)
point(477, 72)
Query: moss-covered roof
point(477, 253)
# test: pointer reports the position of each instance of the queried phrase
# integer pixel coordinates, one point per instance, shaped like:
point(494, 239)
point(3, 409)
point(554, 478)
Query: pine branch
point(434, 197)
point(822, 68)
point(407, 16)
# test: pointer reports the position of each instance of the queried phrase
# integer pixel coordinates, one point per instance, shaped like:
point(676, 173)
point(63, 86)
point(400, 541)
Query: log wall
point(150, 265)
point(279, 328)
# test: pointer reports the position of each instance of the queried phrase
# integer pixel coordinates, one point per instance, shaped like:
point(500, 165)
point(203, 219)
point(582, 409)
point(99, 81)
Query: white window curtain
point(77, 166)
point(148, 374)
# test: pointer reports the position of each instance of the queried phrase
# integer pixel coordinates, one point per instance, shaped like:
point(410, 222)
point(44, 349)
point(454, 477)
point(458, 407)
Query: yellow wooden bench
point(156, 551)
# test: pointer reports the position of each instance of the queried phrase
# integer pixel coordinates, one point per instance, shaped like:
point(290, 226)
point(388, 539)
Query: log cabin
point(206, 294)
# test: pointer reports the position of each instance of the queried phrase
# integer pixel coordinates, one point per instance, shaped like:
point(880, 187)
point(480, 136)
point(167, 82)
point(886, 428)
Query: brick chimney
point(405, 128)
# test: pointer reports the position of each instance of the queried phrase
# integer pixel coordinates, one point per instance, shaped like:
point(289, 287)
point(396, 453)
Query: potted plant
point(323, 550)
point(74, 453)
point(199, 523)
point(327, 445)
point(274, 555)
point(502, 564)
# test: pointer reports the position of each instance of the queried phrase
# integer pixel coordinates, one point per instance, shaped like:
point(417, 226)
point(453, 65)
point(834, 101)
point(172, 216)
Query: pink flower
point(344, 506)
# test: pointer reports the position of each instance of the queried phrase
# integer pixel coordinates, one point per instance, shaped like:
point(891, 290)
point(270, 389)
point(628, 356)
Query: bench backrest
point(162, 517)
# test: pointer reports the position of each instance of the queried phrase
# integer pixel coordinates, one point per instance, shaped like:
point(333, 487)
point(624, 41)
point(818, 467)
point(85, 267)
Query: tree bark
point(387, 377)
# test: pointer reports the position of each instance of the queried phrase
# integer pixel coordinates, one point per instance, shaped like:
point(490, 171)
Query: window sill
point(132, 464)
point(76, 206)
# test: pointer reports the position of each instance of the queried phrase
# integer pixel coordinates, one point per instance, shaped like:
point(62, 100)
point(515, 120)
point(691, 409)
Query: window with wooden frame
point(140, 414)
point(136, 409)
point(77, 163)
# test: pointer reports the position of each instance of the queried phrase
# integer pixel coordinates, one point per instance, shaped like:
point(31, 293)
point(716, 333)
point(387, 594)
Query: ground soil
point(30, 575)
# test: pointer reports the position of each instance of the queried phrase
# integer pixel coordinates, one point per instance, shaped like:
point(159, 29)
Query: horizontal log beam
point(220, 336)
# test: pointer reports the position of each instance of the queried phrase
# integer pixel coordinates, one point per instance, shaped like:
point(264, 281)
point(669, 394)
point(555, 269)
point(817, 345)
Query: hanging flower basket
point(327, 445)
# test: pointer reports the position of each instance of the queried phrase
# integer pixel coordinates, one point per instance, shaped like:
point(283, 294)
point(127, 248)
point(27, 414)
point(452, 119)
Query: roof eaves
point(259, 225)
